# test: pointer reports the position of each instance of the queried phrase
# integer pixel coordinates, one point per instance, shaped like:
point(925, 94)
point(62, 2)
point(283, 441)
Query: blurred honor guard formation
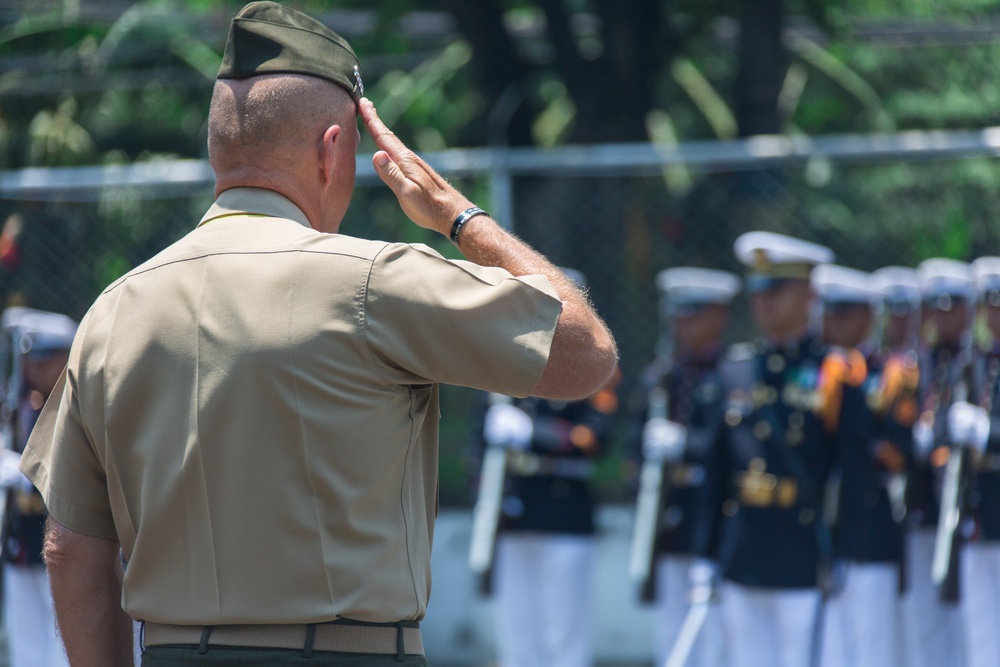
point(827, 495)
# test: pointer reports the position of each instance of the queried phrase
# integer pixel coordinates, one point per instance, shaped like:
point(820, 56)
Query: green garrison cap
point(268, 38)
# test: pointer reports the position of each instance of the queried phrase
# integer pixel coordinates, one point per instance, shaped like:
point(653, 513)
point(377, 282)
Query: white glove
point(663, 440)
point(968, 425)
point(9, 473)
point(923, 438)
point(703, 580)
point(507, 426)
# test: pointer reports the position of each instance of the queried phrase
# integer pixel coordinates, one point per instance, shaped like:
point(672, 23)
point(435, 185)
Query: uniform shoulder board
point(741, 352)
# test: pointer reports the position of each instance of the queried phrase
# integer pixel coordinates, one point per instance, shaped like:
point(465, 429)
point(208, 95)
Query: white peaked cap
point(898, 284)
point(688, 284)
point(38, 331)
point(946, 277)
point(752, 247)
point(986, 271)
point(840, 284)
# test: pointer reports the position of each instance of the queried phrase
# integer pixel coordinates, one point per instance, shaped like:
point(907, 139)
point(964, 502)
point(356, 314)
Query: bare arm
point(583, 352)
point(87, 595)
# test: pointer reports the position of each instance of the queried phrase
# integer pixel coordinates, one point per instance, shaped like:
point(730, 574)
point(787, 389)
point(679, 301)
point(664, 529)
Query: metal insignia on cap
point(357, 80)
point(761, 261)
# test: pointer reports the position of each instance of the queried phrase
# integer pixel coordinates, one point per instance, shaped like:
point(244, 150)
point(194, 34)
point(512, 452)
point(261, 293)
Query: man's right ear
point(328, 152)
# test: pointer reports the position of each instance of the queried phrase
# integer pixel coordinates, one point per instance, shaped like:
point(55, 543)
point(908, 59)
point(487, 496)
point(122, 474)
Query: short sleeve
point(62, 463)
point(429, 319)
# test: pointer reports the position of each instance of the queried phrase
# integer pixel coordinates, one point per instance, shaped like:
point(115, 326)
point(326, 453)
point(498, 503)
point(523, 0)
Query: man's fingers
point(383, 136)
point(406, 163)
point(424, 196)
point(370, 118)
point(387, 170)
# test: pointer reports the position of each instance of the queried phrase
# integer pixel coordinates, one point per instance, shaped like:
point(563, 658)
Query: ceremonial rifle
point(648, 502)
point(700, 597)
point(947, 544)
point(486, 512)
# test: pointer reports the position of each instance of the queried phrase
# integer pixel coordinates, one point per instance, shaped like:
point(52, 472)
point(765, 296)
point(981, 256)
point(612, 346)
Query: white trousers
point(30, 618)
point(671, 610)
point(769, 627)
point(137, 643)
point(860, 622)
point(542, 592)
point(932, 630)
point(980, 580)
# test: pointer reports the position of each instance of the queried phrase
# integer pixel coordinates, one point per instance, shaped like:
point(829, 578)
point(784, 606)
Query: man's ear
point(328, 152)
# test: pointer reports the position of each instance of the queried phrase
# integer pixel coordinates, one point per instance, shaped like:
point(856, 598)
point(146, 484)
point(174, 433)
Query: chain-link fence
point(618, 214)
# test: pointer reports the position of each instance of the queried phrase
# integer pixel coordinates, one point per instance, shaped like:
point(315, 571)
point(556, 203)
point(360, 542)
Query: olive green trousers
point(171, 656)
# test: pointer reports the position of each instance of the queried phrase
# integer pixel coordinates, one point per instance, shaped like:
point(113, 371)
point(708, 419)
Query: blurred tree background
point(86, 82)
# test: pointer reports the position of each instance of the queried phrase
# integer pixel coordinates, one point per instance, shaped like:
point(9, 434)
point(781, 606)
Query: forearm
point(583, 352)
point(87, 596)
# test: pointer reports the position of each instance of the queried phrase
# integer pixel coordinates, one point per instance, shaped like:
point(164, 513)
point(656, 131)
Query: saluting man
point(545, 547)
point(868, 535)
point(695, 305)
point(932, 625)
point(786, 402)
point(976, 424)
point(249, 420)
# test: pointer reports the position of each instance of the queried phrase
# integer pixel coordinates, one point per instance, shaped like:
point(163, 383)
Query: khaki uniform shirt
point(253, 414)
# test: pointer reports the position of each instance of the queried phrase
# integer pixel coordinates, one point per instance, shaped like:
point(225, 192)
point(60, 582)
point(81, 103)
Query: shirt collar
point(254, 201)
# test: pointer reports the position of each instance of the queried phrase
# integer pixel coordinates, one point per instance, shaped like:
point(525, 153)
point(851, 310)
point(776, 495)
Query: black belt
point(528, 464)
point(343, 635)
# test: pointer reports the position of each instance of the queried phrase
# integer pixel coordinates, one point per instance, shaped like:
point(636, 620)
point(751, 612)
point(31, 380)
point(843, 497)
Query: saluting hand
point(425, 197)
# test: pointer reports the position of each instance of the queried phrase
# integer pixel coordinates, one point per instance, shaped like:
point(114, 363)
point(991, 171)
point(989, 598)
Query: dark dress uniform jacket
point(984, 496)
point(557, 498)
point(787, 414)
point(866, 530)
point(694, 390)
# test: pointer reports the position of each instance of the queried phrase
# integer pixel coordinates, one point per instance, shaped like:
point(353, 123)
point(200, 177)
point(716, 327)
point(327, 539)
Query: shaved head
point(266, 122)
point(295, 135)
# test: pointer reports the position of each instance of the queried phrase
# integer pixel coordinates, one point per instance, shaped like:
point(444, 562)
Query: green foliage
point(75, 89)
point(56, 138)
